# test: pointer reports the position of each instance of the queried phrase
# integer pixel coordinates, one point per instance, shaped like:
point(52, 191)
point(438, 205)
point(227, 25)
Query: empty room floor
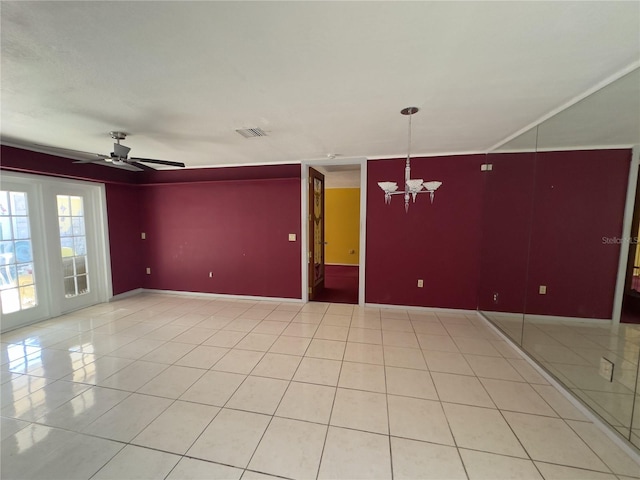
point(167, 386)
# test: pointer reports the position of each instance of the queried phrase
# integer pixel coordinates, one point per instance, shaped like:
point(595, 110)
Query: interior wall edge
point(127, 294)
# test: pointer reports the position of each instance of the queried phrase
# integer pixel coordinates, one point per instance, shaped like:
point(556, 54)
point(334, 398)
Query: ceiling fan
point(119, 157)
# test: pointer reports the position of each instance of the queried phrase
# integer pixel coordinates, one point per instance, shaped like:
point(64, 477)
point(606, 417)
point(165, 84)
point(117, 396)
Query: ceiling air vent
point(252, 132)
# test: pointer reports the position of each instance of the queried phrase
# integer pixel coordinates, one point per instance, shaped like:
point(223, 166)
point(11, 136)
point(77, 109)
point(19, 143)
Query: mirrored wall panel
point(562, 291)
point(508, 203)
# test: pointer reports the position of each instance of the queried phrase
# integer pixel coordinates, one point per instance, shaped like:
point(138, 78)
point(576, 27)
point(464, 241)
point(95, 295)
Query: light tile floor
point(571, 351)
point(167, 386)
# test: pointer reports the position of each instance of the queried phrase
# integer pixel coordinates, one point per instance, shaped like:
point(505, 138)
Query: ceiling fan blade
point(159, 162)
point(124, 166)
point(142, 166)
point(91, 160)
point(66, 149)
point(108, 163)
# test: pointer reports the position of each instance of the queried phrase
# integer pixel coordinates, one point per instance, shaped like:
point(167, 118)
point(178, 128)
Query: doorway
point(631, 299)
point(626, 305)
point(342, 231)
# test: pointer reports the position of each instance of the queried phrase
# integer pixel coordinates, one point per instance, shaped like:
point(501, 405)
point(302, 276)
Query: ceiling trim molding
point(598, 86)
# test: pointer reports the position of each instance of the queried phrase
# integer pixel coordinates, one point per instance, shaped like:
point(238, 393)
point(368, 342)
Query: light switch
point(148, 270)
point(542, 290)
point(143, 235)
point(292, 237)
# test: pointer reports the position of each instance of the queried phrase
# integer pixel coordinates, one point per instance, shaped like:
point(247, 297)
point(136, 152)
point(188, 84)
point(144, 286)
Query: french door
point(70, 212)
point(23, 272)
point(53, 248)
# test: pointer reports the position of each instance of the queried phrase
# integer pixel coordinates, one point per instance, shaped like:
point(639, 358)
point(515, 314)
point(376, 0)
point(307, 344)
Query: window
point(17, 279)
point(73, 243)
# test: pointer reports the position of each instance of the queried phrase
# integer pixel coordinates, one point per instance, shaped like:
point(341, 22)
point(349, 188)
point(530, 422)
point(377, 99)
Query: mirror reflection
point(561, 268)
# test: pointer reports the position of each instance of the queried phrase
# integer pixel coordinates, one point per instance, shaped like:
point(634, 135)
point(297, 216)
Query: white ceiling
point(319, 77)
point(608, 117)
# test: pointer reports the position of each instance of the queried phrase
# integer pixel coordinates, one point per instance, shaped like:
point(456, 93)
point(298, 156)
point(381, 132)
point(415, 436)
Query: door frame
point(102, 280)
point(99, 264)
point(627, 234)
point(304, 212)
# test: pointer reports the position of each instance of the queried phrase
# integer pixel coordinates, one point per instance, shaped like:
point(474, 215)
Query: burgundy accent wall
point(218, 174)
point(237, 229)
point(26, 161)
point(506, 227)
point(124, 217)
point(579, 199)
point(439, 242)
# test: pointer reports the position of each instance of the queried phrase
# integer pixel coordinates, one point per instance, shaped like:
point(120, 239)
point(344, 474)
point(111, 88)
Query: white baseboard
point(608, 430)
point(547, 318)
point(222, 295)
point(420, 309)
point(123, 295)
point(555, 318)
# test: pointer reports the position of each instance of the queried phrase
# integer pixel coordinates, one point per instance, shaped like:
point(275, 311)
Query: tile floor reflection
point(167, 386)
point(572, 350)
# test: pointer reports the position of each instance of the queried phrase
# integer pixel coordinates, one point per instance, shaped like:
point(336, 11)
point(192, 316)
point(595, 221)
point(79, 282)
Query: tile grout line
point(453, 437)
point(335, 395)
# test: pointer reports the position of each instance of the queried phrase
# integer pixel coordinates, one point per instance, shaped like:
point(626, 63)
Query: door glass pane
point(70, 287)
point(17, 279)
point(4, 203)
point(10, 300)
point(63, 206)
point(73, 245)
point(67, 267)
point(65, 226)
point(21, 227)
point(18, 203)
point(78, 225)
point(81, 265)
point(83, 283)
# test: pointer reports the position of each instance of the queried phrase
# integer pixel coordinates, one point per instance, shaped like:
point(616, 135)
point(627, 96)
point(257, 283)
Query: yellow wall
point(342, 225)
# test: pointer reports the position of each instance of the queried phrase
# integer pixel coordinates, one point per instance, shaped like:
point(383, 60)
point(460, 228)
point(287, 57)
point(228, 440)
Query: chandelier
point(412, 186)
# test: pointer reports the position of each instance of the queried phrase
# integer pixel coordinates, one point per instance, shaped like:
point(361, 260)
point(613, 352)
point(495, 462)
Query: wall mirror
point(555, 219)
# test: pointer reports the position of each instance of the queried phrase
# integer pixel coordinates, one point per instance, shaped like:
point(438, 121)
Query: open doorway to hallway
point(341, 234)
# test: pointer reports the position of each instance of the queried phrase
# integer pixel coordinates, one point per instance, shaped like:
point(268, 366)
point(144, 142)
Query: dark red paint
point(124, 217)
point(235, 222)
point(508, 203)
point(439, 242)
point(237, 229)
point(579, 199)
point(26, 161)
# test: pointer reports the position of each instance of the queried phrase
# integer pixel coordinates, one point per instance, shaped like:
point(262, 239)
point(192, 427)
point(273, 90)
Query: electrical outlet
point(420, 283)
point(210, 274)
point(606, 369)
point(148, 270)
point(542, 290)
point(495, 297)
point(143, 235)
point(292, 237)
